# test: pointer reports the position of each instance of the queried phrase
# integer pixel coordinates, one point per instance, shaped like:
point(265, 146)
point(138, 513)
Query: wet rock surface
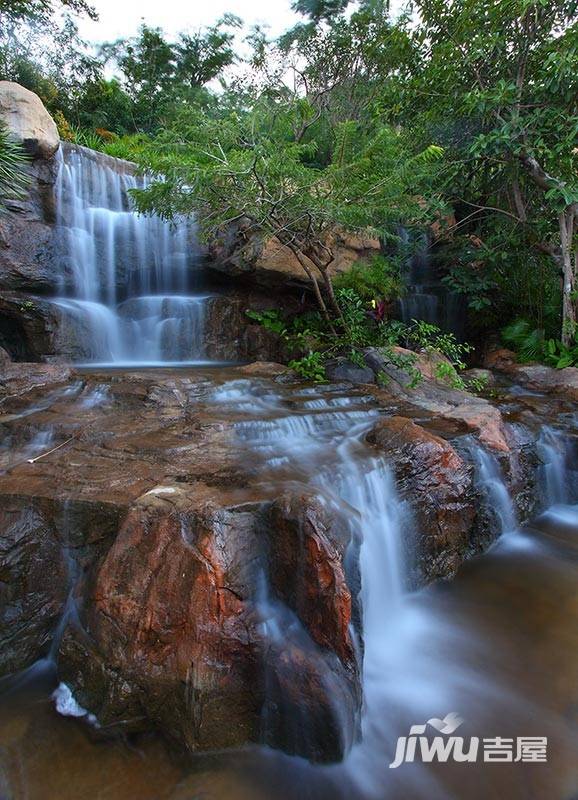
point(438, 483)
point(149, 504)
point(150, 524)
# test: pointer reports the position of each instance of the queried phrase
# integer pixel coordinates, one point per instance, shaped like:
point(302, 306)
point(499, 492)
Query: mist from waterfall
point(126, 282)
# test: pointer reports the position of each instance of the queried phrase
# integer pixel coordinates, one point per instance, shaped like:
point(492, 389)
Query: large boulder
point(28, 121)
point(27, 246)
point(179, 631)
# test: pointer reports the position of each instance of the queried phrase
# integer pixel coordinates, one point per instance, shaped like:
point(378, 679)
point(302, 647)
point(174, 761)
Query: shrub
point(372, 280)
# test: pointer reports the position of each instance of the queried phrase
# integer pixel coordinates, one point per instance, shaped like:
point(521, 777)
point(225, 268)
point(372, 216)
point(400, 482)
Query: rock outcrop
point(536, 377)
point(27, 247)
point(231, 335)
point(240, 253)
point(462, 409)
point(28, 121)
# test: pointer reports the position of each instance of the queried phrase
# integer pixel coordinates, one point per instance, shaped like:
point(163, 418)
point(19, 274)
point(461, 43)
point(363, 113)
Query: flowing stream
point(485, 647)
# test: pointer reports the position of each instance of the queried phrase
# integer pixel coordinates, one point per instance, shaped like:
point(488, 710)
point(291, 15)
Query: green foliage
point(14, 180)
point(159, 76)
point(270, 319)
point(375, 279)
point(502, 80)
point(87, 138)
point(65, 130)
point(127, 147)
point(559, 355)
point(310, 367)
point(477, 385)
point(530, 344)
point(351, 118)
point(431, 339)
point(526, 341)
point(105, 104)
point(310, 338)
point(15, 12)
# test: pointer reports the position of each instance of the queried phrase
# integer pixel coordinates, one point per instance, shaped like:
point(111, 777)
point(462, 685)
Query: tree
point(17, 12)
point(44, 53)
point(160, 76)
point(251, 170)
point(501, 79)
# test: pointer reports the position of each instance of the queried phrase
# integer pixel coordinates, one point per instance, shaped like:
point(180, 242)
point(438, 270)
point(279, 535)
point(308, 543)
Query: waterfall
point(125, 280)
point(552, 452)
point(425, 296)
point(318, 434)
point(492, 484)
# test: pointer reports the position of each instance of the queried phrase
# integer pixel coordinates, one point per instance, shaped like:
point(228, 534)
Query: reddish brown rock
point(174, 634)
point(438, 484)
point(265, 369)
point(167, 617)
point(538, 377)
point(500, 359)
point(307, 550)
point(434, 395)
point(483, 418)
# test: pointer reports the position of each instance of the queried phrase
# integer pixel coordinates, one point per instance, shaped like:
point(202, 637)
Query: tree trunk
point(323, 269)
point(567, 258)
point(318, 296)
point(566, 222)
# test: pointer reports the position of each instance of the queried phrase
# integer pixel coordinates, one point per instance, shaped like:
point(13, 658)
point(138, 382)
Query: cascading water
point(493, 649)
point(552, 452)
point(126, 280)
point(422, 659)
point(495, 490)
point(425, 297)
point(318, 438)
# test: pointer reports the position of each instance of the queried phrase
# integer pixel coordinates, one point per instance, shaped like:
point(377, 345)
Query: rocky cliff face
point(27, 247)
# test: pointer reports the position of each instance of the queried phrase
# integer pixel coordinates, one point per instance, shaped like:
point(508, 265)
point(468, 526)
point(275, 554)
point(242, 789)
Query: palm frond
point(14, 181)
